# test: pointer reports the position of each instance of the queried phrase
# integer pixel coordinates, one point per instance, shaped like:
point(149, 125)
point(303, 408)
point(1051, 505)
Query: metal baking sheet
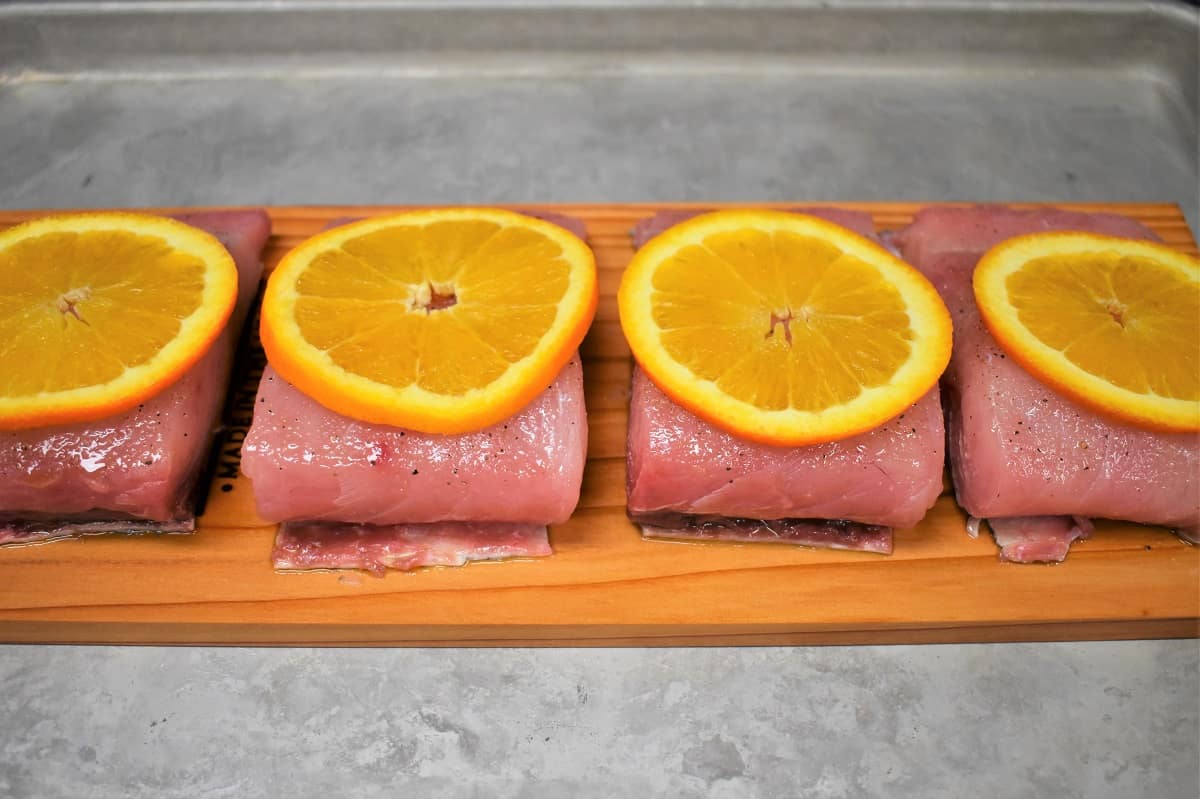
point(294, 102)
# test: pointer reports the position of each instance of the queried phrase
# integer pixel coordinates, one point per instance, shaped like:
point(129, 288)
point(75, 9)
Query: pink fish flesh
point(1038, 539)
point(309, 463)
point(407, 499)
point(687, 475)
point(1017, 448)
point(308, 546)
point(689, 479)
point(136, 471)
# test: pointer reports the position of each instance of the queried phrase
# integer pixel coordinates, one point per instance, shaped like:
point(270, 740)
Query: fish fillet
point(687, 478)
point(309, 463)
point(354, 495)
point(136, 471)
point(1034, 463)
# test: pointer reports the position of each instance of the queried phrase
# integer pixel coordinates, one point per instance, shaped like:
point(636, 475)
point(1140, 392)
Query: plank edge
point(374, 635)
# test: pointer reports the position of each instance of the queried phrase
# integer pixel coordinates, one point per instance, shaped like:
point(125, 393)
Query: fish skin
point(819, 533)
point(309, 546)
point(139, 468)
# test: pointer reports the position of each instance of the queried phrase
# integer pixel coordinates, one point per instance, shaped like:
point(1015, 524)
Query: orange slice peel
point(101, 311)
point(1111, 323)
point(444, 320)
point(782, 328)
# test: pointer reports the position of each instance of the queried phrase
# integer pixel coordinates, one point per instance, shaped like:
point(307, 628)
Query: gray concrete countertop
point(1116, 719)
point(808, 104)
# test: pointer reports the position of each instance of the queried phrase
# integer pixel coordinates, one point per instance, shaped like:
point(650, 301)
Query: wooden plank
point(605, 586)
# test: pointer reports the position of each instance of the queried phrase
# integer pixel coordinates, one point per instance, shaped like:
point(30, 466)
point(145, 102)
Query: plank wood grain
point(604, 586)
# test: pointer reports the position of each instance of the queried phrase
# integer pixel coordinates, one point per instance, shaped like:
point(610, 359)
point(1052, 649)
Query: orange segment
point(444, 321)
point(781, 327)
point(1112, 323)
point(101, 311)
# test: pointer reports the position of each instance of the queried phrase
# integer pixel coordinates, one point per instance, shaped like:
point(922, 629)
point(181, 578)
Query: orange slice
point(1112, 323)
point(443, 320)
point(782, 328)
point(102, 311)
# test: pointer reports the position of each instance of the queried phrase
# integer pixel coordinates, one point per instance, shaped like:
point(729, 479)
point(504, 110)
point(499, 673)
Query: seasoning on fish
point(311, 464)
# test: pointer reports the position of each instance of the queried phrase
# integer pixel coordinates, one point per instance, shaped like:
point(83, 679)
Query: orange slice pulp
point(1112, 323)
point(444, 320)
point(101, 311)
point(781, 327)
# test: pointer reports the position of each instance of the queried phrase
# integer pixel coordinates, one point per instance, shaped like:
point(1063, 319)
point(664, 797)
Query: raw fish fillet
point(360, 496)
point(136, 471)
point(887, 477)
point(307, 546)
point(689, 479)
point(1017, 448)
point(309, 463)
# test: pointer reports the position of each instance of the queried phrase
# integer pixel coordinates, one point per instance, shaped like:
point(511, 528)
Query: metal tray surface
point(290, 102)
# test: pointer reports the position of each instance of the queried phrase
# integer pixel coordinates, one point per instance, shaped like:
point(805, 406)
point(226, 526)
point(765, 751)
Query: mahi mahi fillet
point(689, 479)
point(1033, 463)
point(350, 492)
point(354, 495)
point(136, 471)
